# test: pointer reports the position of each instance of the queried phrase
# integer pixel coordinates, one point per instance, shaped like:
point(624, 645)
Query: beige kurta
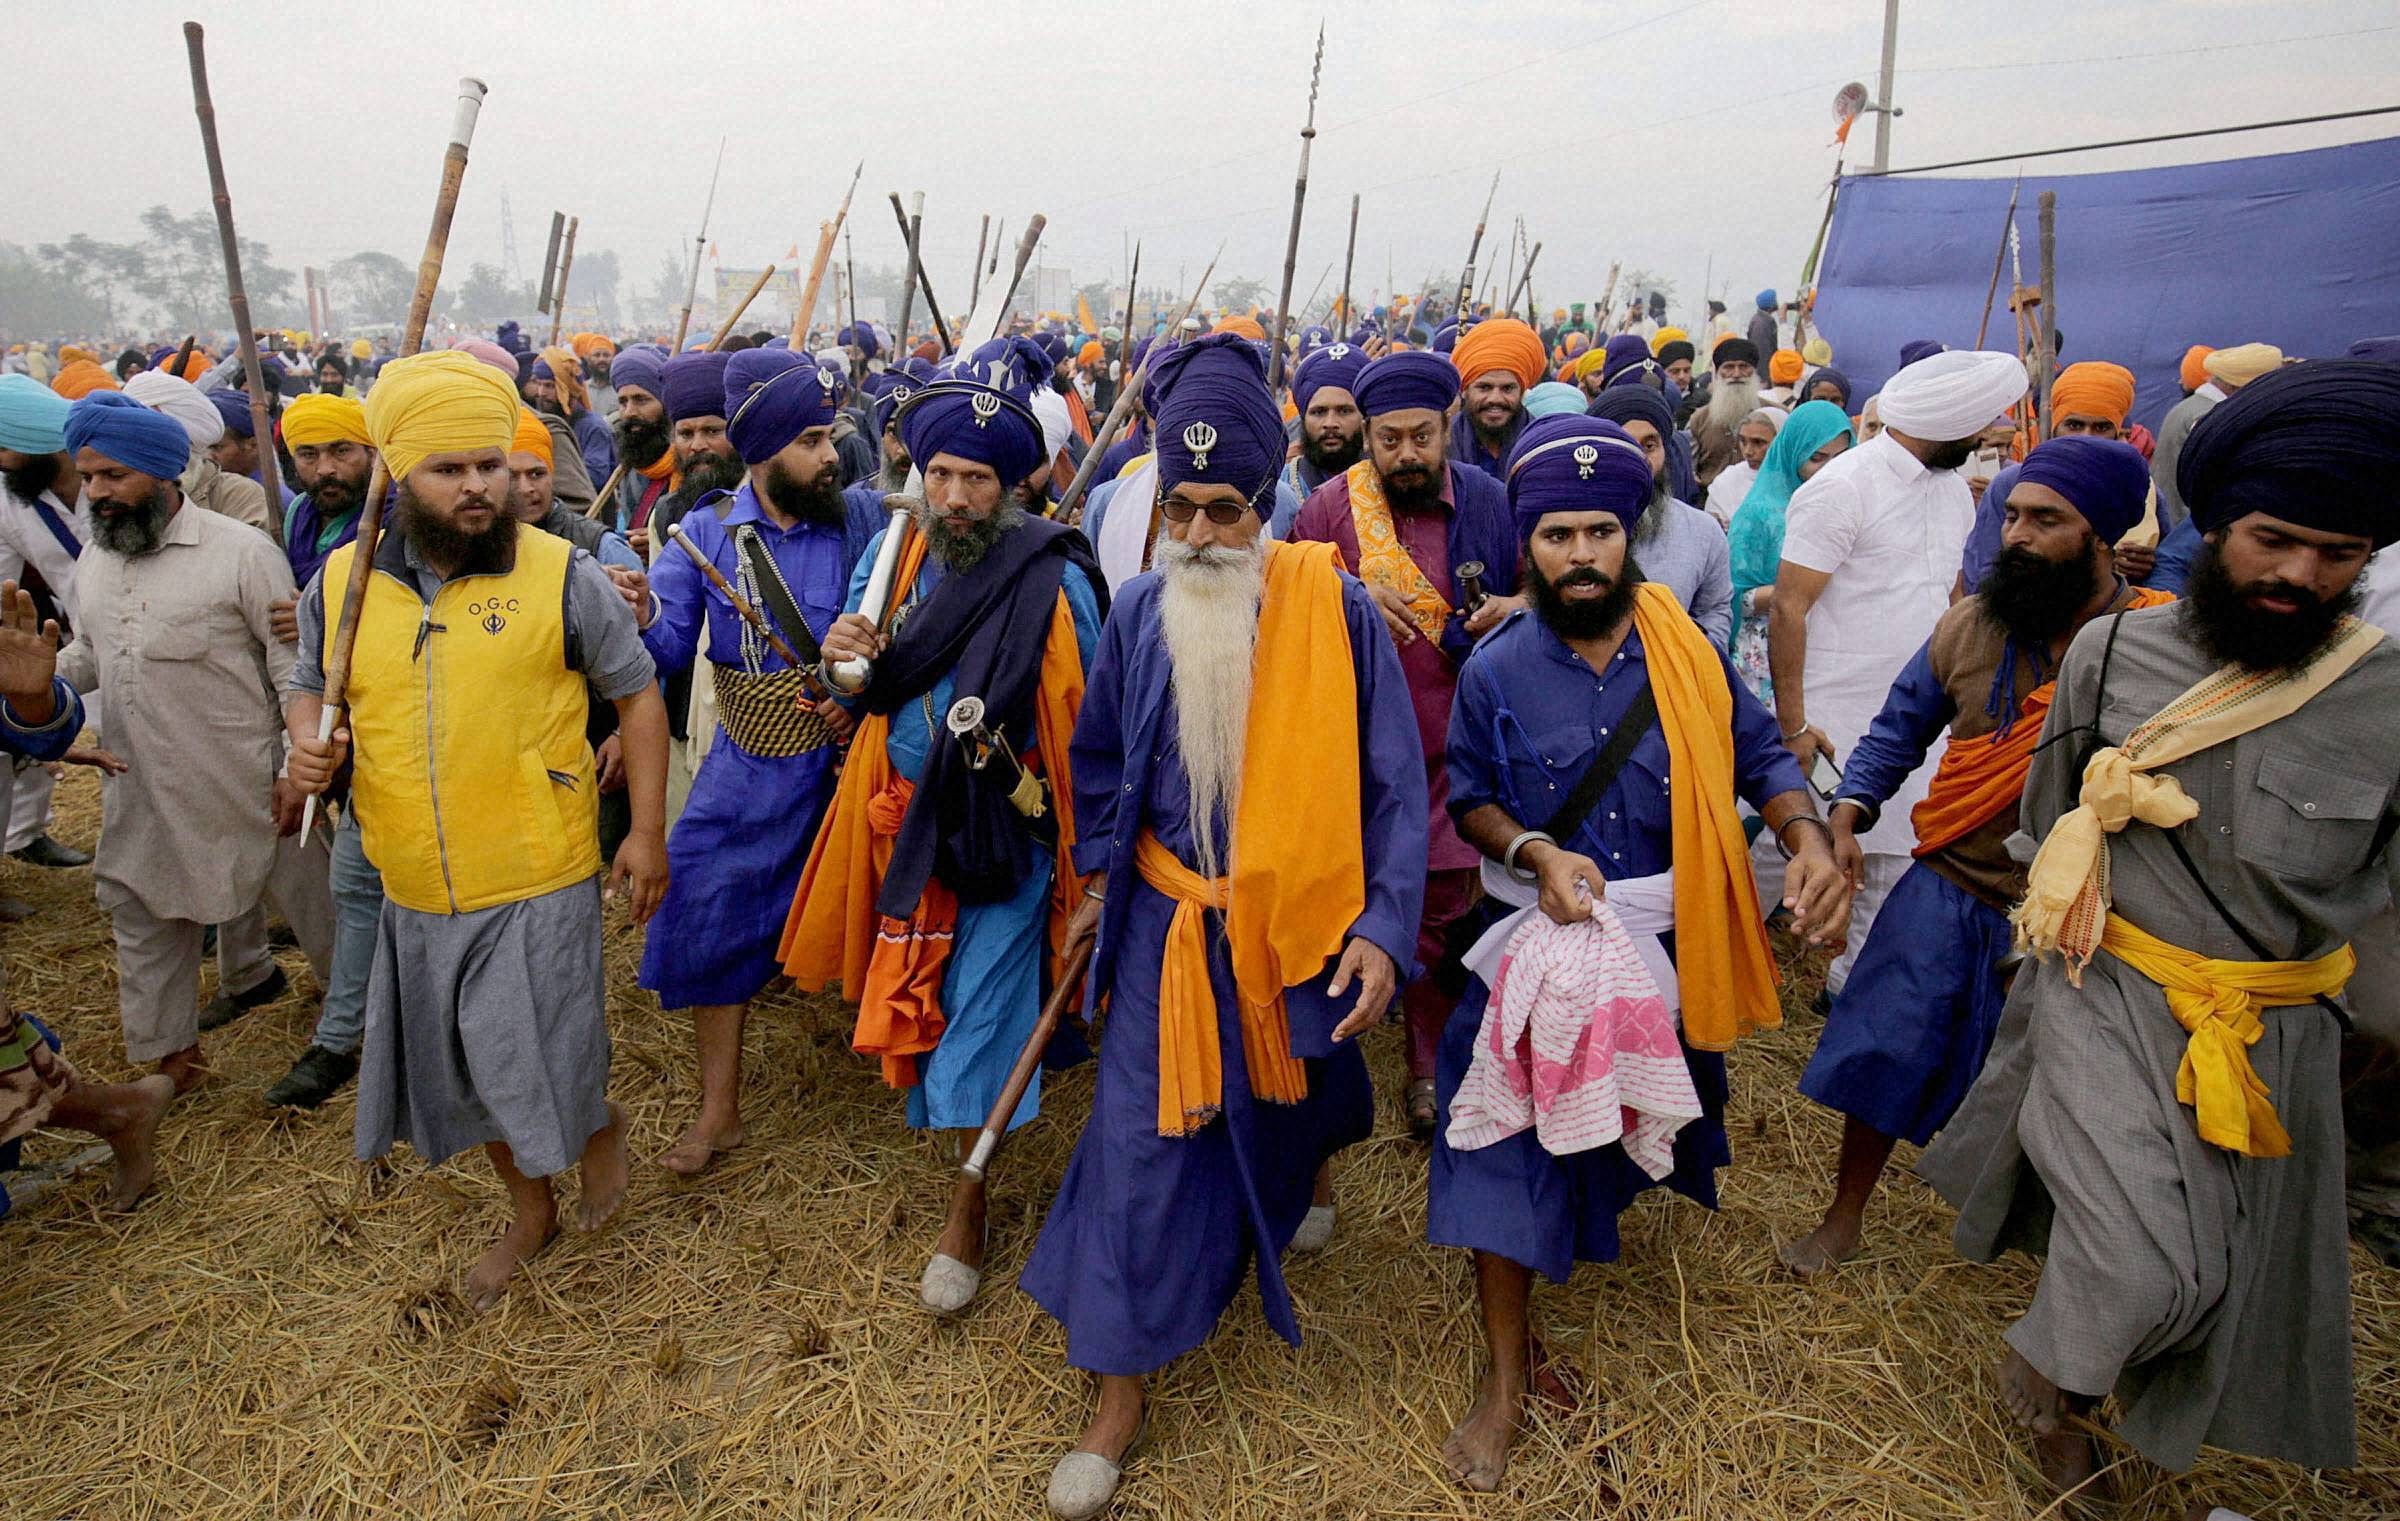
point(234, 496)
point(179, 645)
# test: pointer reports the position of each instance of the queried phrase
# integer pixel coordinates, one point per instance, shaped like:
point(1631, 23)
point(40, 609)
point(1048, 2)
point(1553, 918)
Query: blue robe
point(1529, 718)
point(1150, 1237)
point(735, 856)
point(992, 983)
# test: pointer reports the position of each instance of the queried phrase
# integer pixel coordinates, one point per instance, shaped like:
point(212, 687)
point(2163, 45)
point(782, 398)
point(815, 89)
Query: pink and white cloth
point(1578, 1041)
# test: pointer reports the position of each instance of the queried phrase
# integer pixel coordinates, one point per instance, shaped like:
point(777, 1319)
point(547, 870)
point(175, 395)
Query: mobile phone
point(1824, 775)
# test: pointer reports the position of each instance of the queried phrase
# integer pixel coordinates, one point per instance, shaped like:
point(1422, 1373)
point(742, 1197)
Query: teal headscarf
point(1757, 533)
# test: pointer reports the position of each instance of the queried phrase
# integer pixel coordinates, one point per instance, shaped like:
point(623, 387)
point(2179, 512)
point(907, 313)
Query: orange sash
point(1383, 560)
point(1296, 886)
point(1979, 779)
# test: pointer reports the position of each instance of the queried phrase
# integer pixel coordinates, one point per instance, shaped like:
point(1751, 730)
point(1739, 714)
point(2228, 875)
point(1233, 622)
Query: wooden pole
point(911, 228)
point(1133, 285)
point(412, 337)
point(1525, 284)
point(558, 235)
point(262, 429)
point(2048, 367)
point(807, 310)
point(914, 232)
point(1349, 260)
point(1291, 242)
point(1466, 276)
point(1999, 258)
point(608, 488)
point(558, 292)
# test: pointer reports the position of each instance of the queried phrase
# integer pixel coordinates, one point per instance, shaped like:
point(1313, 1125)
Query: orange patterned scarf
point(1383, 560)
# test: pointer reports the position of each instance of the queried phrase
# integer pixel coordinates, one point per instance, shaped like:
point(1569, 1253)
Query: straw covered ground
point(278, 1334)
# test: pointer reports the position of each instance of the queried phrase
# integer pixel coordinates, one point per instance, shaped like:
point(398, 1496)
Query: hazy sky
point(1662, 132)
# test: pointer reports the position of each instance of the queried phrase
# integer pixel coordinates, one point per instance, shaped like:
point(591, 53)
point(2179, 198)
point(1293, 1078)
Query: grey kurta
point(180, 645)
point(2210, 1290)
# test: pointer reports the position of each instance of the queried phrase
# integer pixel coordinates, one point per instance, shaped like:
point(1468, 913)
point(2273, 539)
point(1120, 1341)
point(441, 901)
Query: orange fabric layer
point(1057, 702)
point(2094, 388)
point(1501, 343)
point(900, 1003)
point(1721, 952)
point(1978, 779)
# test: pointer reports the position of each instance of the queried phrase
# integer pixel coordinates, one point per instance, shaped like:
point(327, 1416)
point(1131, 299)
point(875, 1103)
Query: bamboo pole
point(913, 230)
point(1999, 258)
point(1349, 260)
point(826, 231)
point(2047, 371)
point(558, 292)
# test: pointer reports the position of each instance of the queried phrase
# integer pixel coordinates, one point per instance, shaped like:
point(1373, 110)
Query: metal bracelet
point(1508, 858)
point(1802, 818)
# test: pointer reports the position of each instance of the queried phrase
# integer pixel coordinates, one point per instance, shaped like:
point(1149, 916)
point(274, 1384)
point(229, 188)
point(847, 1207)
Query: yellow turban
point(1816, 352)
point(1589, 363)
point(316, 418)
point(1666, 335)
point(1784, 367)
point(444, 402)
point(532, 437)
point(2243, 363)
point(361, 349)
point(2094, 388)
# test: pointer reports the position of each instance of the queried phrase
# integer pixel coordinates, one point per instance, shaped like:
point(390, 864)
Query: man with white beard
point(1732, 397)
point(1250, 802)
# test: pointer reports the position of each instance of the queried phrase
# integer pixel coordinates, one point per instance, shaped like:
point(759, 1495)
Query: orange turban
point(532, 437)
point(1500, 343)
point(2193, 372)
point(1246, 326)
point(193, 368)
point(586, 345)
point(75, 353)
point(567, 371)
point(80, 379)
point(2094, 388)
point(1784, 368)
point(1090, 354)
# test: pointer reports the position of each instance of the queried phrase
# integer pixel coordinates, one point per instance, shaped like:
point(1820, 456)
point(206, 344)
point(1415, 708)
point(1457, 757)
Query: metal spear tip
point(966, 716)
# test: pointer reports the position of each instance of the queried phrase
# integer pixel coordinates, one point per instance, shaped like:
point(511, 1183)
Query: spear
point(1999, 257)
point(1525, 284)
point(1349, 258)
point(1106, 434)
point(691, 292)
point(983, 236)
point(412, 337)
point(1466, 277)
point(253, 378)
point(990, 316)
point(558, 293)
point(1133, 283)
point(850, 266)
point(608, 488)
point(816, 269)
point(912, 229)
point(1317, 289)
point(1291, 243)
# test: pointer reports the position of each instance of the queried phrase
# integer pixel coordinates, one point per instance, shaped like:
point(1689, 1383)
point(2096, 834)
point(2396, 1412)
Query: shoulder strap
point(772, 591)
point(1638, 721)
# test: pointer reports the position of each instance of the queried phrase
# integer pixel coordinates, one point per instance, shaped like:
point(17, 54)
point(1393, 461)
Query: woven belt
point(762, 713)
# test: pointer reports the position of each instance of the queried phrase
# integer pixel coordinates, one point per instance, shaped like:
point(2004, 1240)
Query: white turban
point(1950, 396)
point(178, 398)
point(1050, 410)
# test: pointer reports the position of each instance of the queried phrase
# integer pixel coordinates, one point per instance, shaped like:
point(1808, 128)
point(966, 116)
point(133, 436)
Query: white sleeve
point(1820, 524)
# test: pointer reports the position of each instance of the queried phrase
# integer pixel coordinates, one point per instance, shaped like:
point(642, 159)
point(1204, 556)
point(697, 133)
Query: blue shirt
point(2178, 552)
point(810, 556)
point(45, 742)
point(1531, 716)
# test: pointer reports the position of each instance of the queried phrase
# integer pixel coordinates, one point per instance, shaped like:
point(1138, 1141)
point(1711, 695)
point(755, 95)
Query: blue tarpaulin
point(2301, 250)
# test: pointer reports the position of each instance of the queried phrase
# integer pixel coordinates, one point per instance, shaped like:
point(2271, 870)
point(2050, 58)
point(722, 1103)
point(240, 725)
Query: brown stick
point(1291, 243)
point(558, 293)
point(826, 233)
point(262, 429)
point(1999, 258)
point(912, 228)
point(724, 330)
point(1066, 994)
point(2048, 370)
point(1117, 413)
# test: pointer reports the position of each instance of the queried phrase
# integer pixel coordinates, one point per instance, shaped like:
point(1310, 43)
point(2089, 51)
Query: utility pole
point(1883, 87)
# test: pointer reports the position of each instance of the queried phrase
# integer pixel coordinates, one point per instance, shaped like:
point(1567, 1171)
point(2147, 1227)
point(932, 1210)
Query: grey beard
point(893, 478)
point(1730, 403)
point(134, 533)
point(963, 550)
point(1653, 520)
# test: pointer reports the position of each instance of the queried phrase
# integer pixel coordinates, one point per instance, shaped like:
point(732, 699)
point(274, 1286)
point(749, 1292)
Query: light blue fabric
point(1756, 538)
point(357, 908)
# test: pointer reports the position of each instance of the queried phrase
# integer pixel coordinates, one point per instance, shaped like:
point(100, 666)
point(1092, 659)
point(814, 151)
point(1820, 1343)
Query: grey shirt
point(2173, 429)
point(602, 641)
point(1686, 552)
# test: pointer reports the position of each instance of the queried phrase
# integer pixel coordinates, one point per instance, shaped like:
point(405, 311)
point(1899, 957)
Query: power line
point(2144, 56)
point(2130, 142)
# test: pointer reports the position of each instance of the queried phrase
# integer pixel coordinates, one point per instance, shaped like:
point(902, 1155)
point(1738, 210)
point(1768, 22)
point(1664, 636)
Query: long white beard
point(1730, 401)
point(1208, 615)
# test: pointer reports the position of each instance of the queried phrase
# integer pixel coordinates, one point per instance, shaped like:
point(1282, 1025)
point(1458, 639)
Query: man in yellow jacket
point(485, 1019)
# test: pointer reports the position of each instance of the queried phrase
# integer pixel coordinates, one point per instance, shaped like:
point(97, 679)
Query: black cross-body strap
point(777, 596)
point(1584, 796)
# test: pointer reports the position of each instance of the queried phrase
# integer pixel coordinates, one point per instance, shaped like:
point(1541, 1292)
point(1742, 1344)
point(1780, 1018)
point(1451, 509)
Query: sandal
point(1423, 1112)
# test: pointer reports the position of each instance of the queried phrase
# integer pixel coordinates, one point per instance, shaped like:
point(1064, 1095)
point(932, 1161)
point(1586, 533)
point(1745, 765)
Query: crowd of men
point(1518, 684)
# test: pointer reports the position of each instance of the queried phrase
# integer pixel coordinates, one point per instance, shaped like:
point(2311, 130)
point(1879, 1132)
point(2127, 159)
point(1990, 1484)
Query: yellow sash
point(1383, 560)
point(2218, 1002)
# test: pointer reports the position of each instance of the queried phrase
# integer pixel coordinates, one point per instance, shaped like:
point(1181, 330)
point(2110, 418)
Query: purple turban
point(693, 385)
point(1408, 380)
point(1217, 423)
point(1336, 365)
point(2107, 480)
point(1920, 348)
point(862, 336)
point(1314, 338)
point(1627, 402)
point(918, 370)
point(1825, 372)
point(542, 370)
point(1575, 464)
point(1445, 339)
point(114, 424)
point(1013, 365)
point(894, 397)
point(641, 367)
point(234, 407)
point(2312, 444)
point(980, 410)
point(1626, 351)
point(772, 396)
point(2382, 350)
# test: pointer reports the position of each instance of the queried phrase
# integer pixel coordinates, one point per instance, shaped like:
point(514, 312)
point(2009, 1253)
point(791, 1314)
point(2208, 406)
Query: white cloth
point(173, 396)
point(1952, 395)
point(1125, 527)
point(1645, 906)
point(1725, 493)
point(1889, 532)
point(1050, 410)
point(26, 540)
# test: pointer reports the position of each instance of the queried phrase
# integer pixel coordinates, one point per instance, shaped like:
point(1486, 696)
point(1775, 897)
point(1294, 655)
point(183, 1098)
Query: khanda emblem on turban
point(825, 378)
point(1585, 458)
point(986, 406)
point(900, 395)
point(1337, 351)
point(1199, 438)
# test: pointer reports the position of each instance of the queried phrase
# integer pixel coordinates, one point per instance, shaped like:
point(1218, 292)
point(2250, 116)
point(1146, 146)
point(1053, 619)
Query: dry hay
point(278, 1333)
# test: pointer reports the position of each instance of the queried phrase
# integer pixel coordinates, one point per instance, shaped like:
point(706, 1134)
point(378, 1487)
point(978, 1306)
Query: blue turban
point(772, 396)
point(862, 336)
point(642, 367)
point(981, 409)
point(1217, 423)
point(2312, 445)
point(1575, 464)
point(895, 396)
point(918, 370)
point(114, 424)
point(1553, 397)
point(33, 418)
point(2384, 350)
point(1366, 331)
point(1053, 347)
point(542, 370)
point(1828, 372)
point(838, 379)
point(1629, 402)
point(234, 407)
point(693, 385)
point(1336, 365)
point(1410, 379)
point(1446, 339)
point(2107, 480)
point(1013, 365)
point(1766, 301)
point(1314, 338)
point(1919, 348)
point(1627, 351)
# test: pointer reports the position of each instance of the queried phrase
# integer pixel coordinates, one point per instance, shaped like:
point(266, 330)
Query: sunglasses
point(1224, 514)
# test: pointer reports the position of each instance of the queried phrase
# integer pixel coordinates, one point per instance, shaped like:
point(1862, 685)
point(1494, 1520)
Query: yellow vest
point(474, 783)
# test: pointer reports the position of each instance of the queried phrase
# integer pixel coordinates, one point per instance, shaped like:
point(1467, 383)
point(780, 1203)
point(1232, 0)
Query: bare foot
point(134, 1140)
point(1476, 1452)
point(1553, 1383)
point(1831, 1243)
point(2061, 1450)
point(487, 1280)
point(187, 1067)
point(700, 1146)
point(603, 1170)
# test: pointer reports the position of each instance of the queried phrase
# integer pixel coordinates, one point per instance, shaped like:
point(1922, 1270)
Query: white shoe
point(949, 1285)
point(1316, 1230)
point(1084, 1482)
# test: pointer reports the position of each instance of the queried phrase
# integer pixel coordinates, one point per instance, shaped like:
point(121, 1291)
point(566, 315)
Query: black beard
point(557, 409)
point(1339, 458)
point(1583, 620)
point(134, 530)
point(963, 549)
point(439, 543)
point(1412, 487)
point(1951, 455)
point(817, 501)
point(28, 481)
point(337, 498)
point(708, 471)
point(639, 443)
point(2233, 633)
point(2034, 600)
